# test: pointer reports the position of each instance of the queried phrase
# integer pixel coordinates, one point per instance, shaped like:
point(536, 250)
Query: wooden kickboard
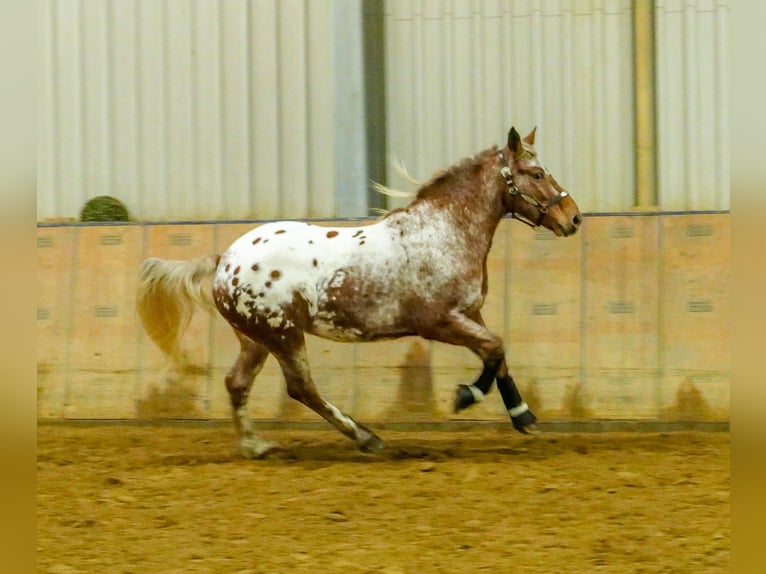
point(56, 265)
point(105, 329)
point(696, 316)
point(621, 291)
point(628, 319)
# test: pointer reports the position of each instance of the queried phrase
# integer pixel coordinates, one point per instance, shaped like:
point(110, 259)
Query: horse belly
point(357, 318)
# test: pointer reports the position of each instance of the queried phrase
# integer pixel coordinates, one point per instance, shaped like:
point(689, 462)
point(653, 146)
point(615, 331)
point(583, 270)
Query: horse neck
point(472, 207)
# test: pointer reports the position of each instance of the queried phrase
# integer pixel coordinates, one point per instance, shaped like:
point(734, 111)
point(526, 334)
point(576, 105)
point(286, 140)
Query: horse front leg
point(471, 332)
point(522, 418)
point(239, 380)
point(466, 395)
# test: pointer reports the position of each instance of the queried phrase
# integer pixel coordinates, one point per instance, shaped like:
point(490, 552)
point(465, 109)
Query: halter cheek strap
point(514, 192)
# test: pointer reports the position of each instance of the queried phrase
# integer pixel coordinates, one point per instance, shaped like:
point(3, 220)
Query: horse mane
point(463, 168)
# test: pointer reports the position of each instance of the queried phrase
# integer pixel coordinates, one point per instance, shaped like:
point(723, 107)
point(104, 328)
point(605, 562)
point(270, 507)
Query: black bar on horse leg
point(509, 392)
point(467, 395)
point(487, 376)
point(518, 410)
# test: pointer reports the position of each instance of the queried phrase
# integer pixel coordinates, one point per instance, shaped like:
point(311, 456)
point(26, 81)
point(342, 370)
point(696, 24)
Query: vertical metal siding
point(214, 110)
point(187, 110)
point(692, 104)
point(265, 107)
point(460, 73)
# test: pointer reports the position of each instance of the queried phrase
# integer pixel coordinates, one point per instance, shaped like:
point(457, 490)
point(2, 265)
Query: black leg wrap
point(512, 399)
point(464, 398)
point(487, 376)
point(509, 392)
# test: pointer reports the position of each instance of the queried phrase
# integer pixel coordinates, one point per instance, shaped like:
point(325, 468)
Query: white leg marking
point(250, 445)
point(478, 396)
point(344, 420)
point(516, 411)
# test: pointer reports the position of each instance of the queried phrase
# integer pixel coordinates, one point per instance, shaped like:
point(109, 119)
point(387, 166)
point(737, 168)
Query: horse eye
point(538, 175)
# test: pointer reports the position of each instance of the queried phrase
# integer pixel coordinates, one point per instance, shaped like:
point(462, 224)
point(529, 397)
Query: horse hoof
point(372, 445)
point(532, 430)
point(253, 449)
point(463, 398)
point(525, 423)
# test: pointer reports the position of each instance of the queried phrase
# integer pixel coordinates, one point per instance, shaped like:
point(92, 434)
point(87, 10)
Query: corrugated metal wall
point(693, 104)
point(187, 110)
point(460, 73)
point(229, 109)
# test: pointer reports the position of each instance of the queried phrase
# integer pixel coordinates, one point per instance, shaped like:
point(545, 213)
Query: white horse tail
point(168, 293)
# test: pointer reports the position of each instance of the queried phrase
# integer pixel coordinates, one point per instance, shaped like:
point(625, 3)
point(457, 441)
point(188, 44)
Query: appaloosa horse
point(420, 270)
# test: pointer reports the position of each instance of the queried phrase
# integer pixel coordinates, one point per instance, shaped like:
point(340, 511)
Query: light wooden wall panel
point(628, 319)
point(695, 316)
point(620, 306)
point(56, 266)
point(105, 330)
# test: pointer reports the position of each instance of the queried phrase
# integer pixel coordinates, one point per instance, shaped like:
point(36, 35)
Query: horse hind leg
point(295, 367)
point(239, 380)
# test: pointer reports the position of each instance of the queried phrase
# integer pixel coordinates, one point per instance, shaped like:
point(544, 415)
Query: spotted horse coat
point(420, 270)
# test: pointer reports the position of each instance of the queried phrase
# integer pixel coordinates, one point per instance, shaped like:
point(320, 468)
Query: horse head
point(534, 196)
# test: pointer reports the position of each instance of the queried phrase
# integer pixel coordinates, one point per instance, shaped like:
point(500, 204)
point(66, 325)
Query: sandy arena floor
point(180, 499)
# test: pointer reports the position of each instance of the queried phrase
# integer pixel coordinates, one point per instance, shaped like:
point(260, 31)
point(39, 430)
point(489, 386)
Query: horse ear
point(530, 139)
point(514, 142)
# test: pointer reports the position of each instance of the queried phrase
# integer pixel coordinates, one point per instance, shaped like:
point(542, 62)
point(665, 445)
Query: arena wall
point(628, 320)
point(287, 108)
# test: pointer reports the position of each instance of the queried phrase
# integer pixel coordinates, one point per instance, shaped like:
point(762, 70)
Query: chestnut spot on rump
point(276, 274)
point(236, 270)
point(361, 242)
point(268, 284)
point(235, 281)
point(255, 267)
point(279, 232)
point(256, 240)
point(227, 267)
point(331, 234)
point(315, 262)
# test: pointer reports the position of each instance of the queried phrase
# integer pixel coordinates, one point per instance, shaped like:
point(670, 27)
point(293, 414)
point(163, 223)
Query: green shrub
point(104, 208)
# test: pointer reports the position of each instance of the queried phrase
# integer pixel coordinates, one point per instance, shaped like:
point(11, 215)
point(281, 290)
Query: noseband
point(514, 192)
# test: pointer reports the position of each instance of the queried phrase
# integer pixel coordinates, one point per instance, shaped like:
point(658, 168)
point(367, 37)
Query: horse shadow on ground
point(312, 452)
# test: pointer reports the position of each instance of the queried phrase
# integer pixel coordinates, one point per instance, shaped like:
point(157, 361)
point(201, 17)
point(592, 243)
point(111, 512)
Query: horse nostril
point(577, 219)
